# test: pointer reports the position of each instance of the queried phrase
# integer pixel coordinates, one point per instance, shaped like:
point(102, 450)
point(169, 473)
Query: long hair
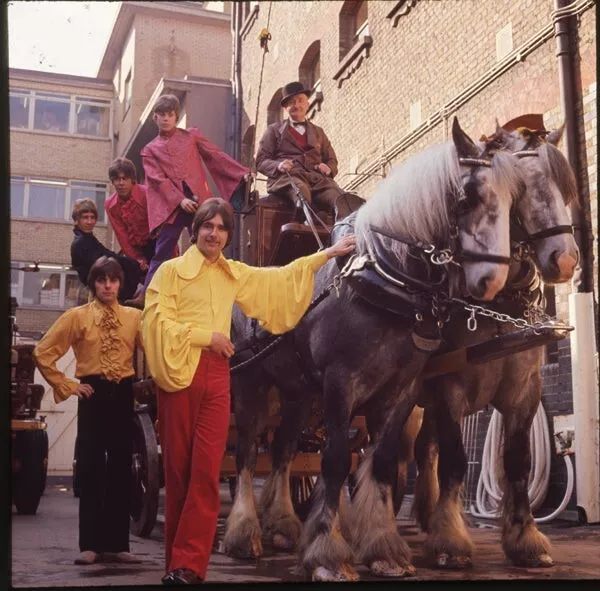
point(415, 201)
point(105, 267)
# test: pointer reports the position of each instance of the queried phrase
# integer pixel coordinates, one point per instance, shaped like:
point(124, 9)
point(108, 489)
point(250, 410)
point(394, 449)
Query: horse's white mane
point(412, 202)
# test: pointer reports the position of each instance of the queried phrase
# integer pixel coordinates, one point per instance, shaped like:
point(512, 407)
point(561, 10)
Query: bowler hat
point(532, 121)
point(292, 89)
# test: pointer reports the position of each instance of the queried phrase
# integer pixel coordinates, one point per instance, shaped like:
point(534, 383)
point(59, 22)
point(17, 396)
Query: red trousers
point(193, 424)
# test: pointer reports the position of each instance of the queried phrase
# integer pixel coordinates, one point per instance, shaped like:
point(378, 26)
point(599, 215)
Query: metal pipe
point(570, 96)
point(586, 398)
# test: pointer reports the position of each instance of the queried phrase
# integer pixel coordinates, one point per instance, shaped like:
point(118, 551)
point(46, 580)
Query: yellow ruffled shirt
point(103, 340)
point(189, 298)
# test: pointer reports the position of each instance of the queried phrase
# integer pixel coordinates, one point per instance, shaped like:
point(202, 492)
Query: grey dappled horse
point(512, 384)
point(349, 352)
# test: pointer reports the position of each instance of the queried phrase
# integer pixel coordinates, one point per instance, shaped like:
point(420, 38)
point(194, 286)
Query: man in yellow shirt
point(185, 327)
point(103, 335)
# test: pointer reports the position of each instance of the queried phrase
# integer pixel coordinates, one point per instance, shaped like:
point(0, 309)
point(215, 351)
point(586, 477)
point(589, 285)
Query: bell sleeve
point(54, 344)
point(225, 171)
point(172, 348)
point(278, 296)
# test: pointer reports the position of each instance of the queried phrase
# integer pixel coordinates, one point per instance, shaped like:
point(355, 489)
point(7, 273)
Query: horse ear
point(464, 144)
point(555, 136)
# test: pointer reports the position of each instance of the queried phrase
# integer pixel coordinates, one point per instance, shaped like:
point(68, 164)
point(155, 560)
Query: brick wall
point(431, 55)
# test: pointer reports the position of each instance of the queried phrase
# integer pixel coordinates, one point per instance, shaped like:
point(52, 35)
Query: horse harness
point(378, 282)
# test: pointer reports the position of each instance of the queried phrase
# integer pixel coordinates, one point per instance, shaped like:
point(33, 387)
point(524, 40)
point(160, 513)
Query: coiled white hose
point(489, 491)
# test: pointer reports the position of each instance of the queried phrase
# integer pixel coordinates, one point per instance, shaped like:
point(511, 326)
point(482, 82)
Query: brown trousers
point(314, 185)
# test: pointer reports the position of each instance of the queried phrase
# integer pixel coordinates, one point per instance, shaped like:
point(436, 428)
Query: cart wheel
point(301, 488)
point(145, 477)
point(30, 466)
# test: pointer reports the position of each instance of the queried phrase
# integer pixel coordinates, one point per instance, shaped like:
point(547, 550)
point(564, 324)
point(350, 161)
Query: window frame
point(73, 100)
point(69, 185)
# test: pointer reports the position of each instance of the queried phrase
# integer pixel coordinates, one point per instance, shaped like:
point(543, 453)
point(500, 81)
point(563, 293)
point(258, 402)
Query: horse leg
point(278, 518)
point(448, 544)
point(522, 542)
point(243, 534)
point(375, 539)
point(427, 489)
point(324, 553)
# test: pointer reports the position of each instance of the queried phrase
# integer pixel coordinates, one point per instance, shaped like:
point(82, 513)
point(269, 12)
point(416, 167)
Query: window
point(46, 199)
point(19, 109)
point(309, 72)
point(53, 286)
point(127, 93)
point(59, 113)
point(53, 199)
point(17, 195)
point(353, 24)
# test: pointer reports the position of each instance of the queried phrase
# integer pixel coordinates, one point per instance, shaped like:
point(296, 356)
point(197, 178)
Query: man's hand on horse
point(220, 344)
point(285, 165)
point(342, 247)
point(83, 391)
point(188, 205)
point(321, 167)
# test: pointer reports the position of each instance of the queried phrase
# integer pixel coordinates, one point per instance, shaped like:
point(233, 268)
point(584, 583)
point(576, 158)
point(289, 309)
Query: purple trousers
point(166, 242)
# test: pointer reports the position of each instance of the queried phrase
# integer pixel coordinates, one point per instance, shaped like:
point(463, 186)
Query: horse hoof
point(344, 574)
point(385, 568)
point(541, 561)
point(445, 560)
point(252, 553)
point(281, 542)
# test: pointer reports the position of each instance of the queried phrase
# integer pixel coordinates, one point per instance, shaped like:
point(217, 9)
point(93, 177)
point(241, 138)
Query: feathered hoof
point(385, 568)
point(282, 543)
point(541, 561)
point(251, 552)
point(451, 562)
point(344, 574)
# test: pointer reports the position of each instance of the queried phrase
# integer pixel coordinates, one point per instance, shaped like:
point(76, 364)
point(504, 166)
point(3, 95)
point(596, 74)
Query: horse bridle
point(548, 232)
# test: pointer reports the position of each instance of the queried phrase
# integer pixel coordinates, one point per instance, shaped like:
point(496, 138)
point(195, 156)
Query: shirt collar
point(99, 308)
point(190, 263)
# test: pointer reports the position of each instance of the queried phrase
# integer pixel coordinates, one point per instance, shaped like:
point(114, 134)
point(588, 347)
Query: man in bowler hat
point(301, 148)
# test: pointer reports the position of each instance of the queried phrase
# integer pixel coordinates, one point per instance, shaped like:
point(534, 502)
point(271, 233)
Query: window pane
point(98, 196)
point(14, 282)
point(17, 198)
point(41, 289)
point(92, 120)
point(46, 201)
point(19, 111)
point(76, 294)
point(51, 115)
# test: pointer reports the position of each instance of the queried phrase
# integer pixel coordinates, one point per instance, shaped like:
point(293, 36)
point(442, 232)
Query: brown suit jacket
point(277, 144)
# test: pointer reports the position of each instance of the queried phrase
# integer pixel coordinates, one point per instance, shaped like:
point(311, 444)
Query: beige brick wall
point(59, 156)
point(45, 242)
point(436, 51)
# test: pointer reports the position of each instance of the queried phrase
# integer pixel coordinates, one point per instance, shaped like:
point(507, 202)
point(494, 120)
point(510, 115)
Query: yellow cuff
point(64, 390)
point(317, 260)
point(200, 337)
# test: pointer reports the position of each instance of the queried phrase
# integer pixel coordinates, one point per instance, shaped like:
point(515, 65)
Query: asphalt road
point(44, 547)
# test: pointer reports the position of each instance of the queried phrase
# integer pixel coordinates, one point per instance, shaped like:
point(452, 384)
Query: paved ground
point(44, 546)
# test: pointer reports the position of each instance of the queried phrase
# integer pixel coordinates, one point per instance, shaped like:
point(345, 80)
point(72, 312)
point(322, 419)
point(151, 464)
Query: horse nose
point(488, 287)
point(565, 264)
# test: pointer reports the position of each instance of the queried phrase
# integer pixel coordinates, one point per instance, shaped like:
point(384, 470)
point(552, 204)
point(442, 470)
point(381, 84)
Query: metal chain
point(543, 320)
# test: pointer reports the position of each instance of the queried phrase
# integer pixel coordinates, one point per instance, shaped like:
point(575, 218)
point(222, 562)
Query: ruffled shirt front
point(103, 340)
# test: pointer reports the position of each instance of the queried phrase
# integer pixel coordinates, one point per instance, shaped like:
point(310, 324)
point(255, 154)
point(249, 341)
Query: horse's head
point(542, 220)
point(482, 215)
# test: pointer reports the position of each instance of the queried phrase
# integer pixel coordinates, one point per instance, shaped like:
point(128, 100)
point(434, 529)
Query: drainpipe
point(586, 398)
point(237, 79)
point(234, 88)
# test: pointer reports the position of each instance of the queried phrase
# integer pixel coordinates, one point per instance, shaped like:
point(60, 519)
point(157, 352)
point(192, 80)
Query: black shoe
point(182, 576)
